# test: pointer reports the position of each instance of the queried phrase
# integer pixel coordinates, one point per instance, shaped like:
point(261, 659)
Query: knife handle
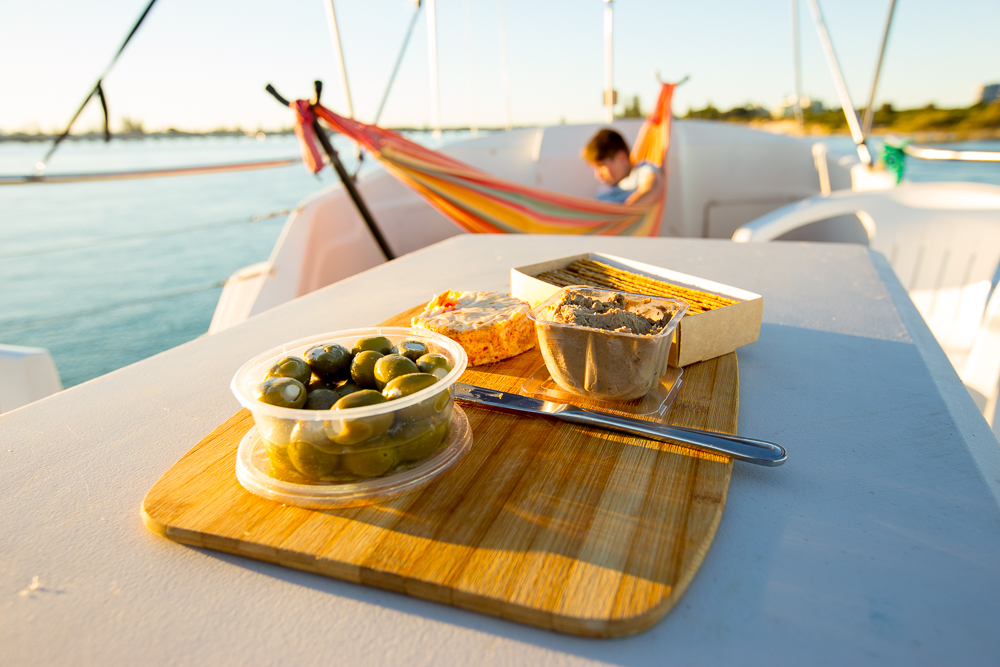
point(750, 450)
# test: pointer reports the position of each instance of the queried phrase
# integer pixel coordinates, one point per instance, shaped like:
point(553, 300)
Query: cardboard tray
point(699, 337)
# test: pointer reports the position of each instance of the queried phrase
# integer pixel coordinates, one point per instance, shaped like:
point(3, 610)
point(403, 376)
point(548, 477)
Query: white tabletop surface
point(878, 542)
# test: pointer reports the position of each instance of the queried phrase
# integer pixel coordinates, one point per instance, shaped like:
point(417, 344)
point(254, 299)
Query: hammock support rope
point(308, 131)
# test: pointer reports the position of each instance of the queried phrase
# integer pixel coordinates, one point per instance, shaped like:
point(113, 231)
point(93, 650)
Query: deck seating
point(943, 242)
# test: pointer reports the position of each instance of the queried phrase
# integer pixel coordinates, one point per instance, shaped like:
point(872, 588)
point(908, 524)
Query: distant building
point(787, 107)
point(988, 94)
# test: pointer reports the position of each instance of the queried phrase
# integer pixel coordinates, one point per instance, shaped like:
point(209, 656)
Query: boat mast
point(838, 79)
point(800, 122)
point(504, 73)
point(433, 54)
point(331, 19)
point(609, 83)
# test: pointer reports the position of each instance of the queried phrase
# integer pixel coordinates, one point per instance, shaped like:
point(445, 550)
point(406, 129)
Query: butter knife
point(750, 450)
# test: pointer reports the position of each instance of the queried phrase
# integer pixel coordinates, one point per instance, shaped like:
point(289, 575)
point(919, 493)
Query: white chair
point(943, 242)
point(981, 374)
point(26, 375)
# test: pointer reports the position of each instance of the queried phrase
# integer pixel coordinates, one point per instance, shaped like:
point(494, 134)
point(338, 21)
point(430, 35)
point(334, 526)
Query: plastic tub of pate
point(356, 455)
point(586, 338)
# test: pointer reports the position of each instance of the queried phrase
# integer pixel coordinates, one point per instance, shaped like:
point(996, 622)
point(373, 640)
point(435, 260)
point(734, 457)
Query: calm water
point(978, 172)
point(928, 170)
point(105, 274)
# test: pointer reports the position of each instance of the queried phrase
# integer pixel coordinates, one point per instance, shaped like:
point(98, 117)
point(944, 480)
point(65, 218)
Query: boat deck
point(876, 543)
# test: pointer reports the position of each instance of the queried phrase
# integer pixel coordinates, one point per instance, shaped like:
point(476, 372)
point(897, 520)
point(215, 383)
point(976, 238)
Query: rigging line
point(392, 78)
point(504, 67)
point(338, 50)
point(149, 173)
point(432, 52)
point(56, 319)
point(869, 119)
point(95, 90)
point(800, 121)
point(399, 61)
point(147, 235)
point(470, 55)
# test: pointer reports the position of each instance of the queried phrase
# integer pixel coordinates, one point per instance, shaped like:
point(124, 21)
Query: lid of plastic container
point(253, 466)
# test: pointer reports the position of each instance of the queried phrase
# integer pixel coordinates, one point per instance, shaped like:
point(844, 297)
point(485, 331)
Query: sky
point(203, 64)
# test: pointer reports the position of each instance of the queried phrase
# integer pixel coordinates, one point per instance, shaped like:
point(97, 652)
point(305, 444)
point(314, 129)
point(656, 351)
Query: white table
point(877, 543)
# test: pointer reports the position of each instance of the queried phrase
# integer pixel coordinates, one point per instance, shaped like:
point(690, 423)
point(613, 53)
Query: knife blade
point(758, 452)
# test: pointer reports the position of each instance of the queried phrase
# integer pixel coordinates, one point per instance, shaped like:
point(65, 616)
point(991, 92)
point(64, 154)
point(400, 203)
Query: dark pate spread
point(611, 315)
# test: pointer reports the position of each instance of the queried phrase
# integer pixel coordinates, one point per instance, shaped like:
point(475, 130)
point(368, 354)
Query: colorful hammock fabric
point(482, 203)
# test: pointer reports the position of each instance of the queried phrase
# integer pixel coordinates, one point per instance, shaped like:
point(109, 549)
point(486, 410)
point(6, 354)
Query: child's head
point(608, 153)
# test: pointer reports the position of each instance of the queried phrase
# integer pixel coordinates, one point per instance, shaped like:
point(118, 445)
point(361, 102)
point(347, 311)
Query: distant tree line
point(743, 114)
point(887, 118)
point(633, 110)
point(976, 117)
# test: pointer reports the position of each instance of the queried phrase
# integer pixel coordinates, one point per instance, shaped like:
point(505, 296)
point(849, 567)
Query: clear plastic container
point(354, 452)
point(253, 470)
point(606, 365)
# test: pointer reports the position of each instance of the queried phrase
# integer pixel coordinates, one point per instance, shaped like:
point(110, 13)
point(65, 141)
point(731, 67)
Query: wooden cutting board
point(564, 527)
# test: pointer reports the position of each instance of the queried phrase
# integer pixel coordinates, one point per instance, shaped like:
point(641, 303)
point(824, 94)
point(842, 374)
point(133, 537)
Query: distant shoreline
point(169, 134)
point(926, 125)
point(24, 137)
point(939, 136)
point(784, 126)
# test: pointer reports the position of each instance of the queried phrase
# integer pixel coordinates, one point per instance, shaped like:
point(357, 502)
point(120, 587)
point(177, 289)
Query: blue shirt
point(617, 194)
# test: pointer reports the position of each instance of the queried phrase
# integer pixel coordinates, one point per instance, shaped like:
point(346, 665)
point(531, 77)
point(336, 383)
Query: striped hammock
point(481, 203)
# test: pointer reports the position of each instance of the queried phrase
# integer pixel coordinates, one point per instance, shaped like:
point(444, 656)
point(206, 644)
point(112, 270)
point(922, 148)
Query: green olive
point(392, 366)
point(411, 349)
point(321, 399)
point(312, 462)
point(282, 391)
point(317, 383)
point(404, 385)
point(418, 440)
point(371, 462)
point(291, 367)
point(435, 364)
point(360, 399)
point(411, 384)
point(346, 387)
point(379, 344)
point(281, 465)
point(354, 431)
point(313, 432)
point(331, 362)
point(363, 368)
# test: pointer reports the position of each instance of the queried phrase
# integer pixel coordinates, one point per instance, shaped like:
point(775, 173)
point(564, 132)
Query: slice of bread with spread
point(489, 325)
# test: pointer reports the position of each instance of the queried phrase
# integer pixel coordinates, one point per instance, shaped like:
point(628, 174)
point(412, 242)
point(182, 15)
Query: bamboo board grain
point(560, 526)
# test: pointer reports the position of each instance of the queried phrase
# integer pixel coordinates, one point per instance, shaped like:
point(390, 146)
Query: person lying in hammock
point(623, 182)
